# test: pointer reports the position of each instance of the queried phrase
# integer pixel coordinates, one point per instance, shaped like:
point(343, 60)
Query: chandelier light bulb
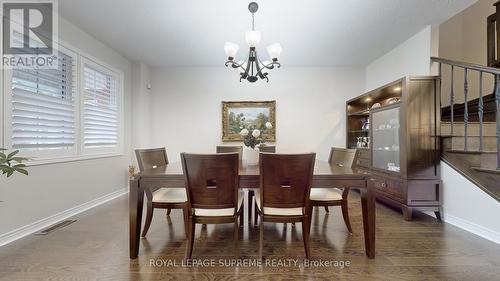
point(231, 49)
point(274, 51)
point(252, 37)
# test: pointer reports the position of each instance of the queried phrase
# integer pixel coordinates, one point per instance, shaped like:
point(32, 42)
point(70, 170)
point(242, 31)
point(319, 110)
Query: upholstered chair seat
point(170, 195)
point(325, 194)
point(220, 212)
point(277, 211)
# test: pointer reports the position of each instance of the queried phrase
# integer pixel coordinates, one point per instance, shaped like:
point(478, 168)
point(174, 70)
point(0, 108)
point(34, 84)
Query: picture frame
point(235, 114)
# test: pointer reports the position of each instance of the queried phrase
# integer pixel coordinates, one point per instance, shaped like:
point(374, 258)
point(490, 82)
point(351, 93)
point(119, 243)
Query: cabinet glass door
point(385, 140)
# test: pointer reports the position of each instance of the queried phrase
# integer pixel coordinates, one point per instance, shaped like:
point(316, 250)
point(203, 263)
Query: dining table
point(325, 175)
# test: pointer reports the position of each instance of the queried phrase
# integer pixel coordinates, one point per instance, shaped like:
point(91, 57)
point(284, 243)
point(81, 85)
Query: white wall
point(310, 106)
point(141, 106)
point(412, 57)
point(468, 207)
point(55, 188)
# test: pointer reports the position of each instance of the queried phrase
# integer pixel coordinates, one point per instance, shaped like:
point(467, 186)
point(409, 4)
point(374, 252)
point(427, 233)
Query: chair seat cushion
point(170, 195)
point(277, 211)
point(220, 212)
point(325, 194)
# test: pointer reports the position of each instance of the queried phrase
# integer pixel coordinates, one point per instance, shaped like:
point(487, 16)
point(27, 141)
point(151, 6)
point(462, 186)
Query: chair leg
point(250, 203)
point(236, 238)
point(326, 209)
point(261, 237)
point(149, 218)
point(168, 211)
point(256, 215)
point(305, 235)
point(345, 214)
point(190, 240)
point(242, 216)
point(185, 211)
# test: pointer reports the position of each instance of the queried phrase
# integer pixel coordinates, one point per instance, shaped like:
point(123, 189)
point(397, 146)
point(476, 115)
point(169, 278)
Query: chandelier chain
point(253, 21)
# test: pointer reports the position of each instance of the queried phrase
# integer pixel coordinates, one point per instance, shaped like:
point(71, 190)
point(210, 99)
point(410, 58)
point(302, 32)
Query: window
point(43, 108)
point(101, 108)
point(73, 112)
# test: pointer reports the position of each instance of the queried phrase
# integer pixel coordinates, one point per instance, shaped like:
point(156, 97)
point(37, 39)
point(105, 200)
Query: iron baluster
point(481, 111)
point(466, 109)
point(452, 99)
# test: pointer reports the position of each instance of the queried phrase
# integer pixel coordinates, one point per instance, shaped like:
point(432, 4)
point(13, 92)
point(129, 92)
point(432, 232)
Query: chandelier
point(253, 68)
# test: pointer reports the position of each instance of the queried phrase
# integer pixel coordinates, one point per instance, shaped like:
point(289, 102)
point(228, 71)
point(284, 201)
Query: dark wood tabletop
point(325, 176)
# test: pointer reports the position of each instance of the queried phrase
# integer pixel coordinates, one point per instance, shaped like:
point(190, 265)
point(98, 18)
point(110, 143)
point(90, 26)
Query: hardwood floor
point(96, 248)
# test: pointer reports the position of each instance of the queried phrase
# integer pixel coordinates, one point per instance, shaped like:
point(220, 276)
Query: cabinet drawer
point(363, 162)
point(378, 183)
point(395, 188)
point(392, 188)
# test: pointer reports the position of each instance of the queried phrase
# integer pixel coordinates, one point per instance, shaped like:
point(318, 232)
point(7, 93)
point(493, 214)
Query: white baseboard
point(23, 231)
point(473, 228)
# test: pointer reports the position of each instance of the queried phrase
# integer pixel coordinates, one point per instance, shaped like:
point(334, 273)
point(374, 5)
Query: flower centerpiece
point(253, 138)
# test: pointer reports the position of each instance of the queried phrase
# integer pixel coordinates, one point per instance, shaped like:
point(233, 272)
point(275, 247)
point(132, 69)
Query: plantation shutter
point(100, 108)
point(43, 106)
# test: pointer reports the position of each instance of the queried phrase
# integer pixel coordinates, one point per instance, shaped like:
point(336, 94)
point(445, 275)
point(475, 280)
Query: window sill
point(71, 159)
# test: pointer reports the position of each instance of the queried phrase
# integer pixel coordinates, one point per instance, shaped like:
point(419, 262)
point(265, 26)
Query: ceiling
point(312, 32)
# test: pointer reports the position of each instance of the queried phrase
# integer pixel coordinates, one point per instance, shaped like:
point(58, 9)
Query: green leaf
point(2, 155)
point(12, 154)
point(19, 166)
point(22, 171)
point(9, 173)
point(19, 159)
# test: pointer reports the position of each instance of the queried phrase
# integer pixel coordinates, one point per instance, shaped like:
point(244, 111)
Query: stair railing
point(468, 67)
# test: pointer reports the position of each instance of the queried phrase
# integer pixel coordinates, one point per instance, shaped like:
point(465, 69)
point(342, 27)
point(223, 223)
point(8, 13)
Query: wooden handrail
point(467, 65)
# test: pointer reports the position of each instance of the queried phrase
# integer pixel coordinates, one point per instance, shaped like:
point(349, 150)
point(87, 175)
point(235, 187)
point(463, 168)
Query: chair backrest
point(151, 158)
point(343, 157)
point(285, 179)
point(230, 149)
point(268, 149)
point(211, 180)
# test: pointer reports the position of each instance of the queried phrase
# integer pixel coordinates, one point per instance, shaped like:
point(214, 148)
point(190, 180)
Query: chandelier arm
point(245, 74)
point(234, 64)
point(267, 79)
point(270, 66)
point(257, 66)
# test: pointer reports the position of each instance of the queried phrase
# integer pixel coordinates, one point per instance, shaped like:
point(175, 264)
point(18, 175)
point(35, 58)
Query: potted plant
point(11, 163)
point(252, 139)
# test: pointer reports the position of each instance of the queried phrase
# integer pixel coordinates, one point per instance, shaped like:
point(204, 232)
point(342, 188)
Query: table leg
point(368, 209)
point(136, 201)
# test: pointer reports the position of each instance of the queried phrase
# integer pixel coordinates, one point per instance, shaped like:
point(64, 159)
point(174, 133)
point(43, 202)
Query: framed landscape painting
point(255, 114)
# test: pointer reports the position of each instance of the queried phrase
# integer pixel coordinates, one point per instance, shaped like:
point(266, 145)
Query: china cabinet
point(396, 129)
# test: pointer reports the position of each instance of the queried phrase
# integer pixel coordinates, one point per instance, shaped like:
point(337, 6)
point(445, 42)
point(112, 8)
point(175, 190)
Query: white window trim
point(41, 154)
point(102, 150)
point(79, 155)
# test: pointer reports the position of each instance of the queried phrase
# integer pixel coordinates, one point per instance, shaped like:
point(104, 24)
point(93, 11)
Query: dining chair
point(336, 196)
point(230, 149)
point(285, 184)
point(267, 148)
point(251, 192)
point(213, 196)
point(162, 198)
